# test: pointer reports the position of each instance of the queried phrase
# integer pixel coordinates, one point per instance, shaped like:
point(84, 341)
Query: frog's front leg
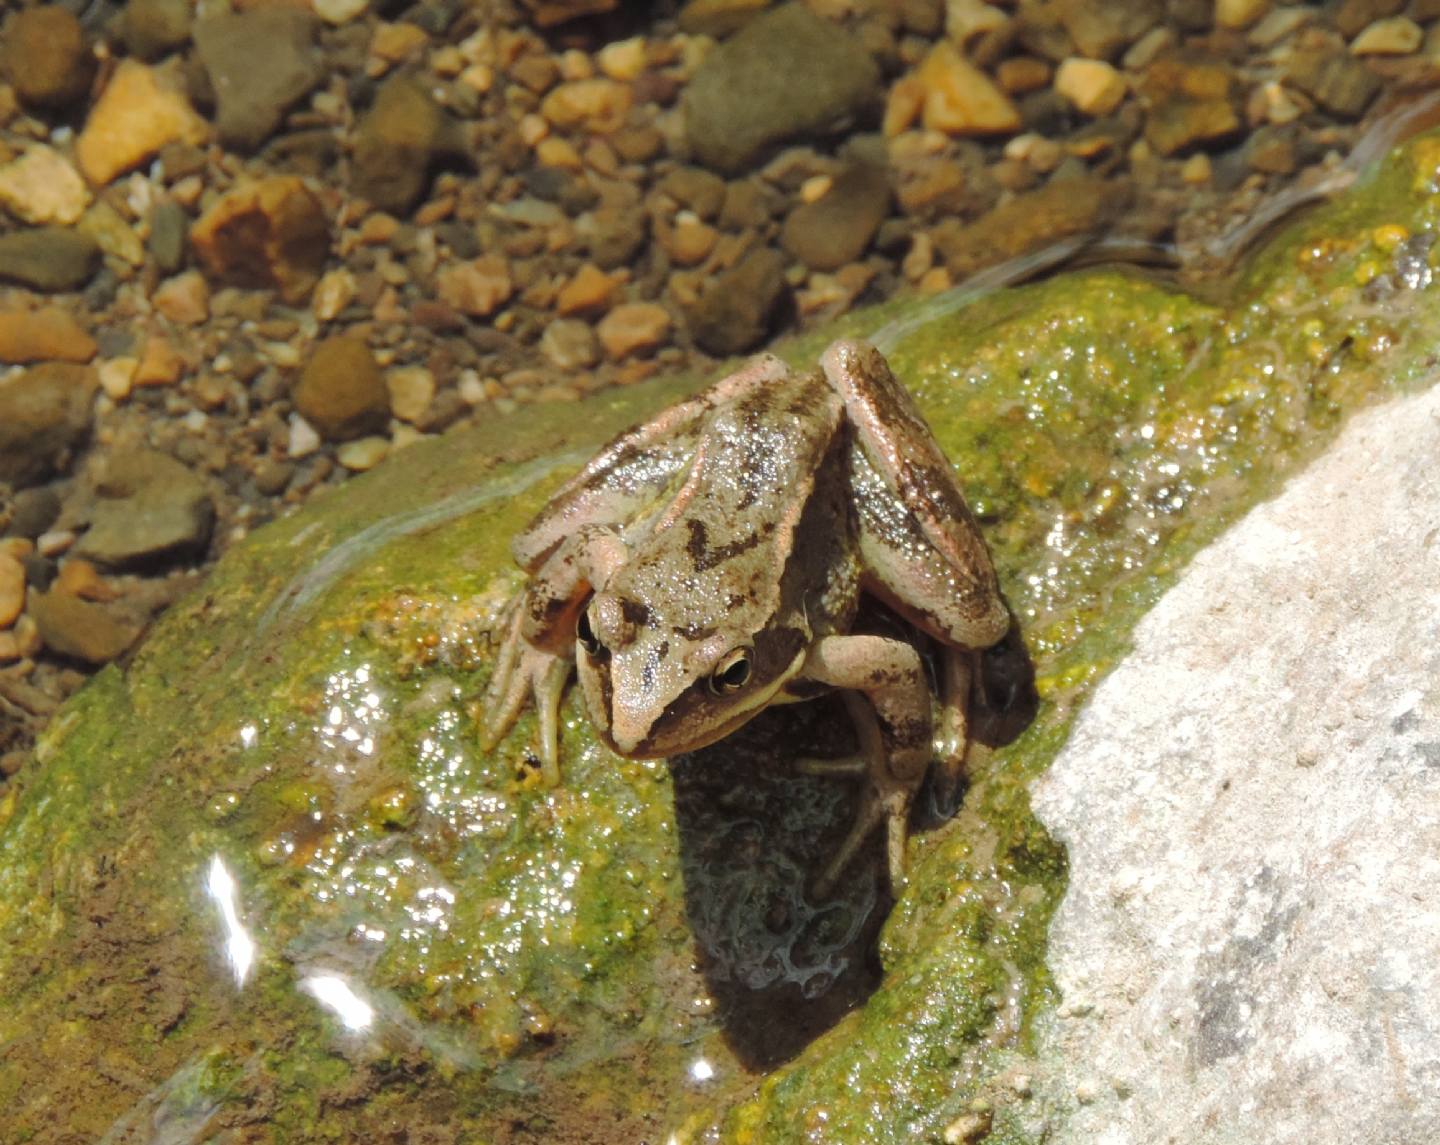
point(893, 723)
point(538, 651)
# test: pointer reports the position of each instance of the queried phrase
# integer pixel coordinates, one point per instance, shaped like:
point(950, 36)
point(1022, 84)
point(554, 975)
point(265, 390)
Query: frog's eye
point(732, 673)
point(586, 635)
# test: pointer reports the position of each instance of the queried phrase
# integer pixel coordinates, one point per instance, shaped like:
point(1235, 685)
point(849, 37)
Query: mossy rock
point(441, 948)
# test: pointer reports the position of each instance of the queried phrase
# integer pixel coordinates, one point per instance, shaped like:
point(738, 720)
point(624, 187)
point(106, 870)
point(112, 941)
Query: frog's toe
point(549, 685)
point(841, 768)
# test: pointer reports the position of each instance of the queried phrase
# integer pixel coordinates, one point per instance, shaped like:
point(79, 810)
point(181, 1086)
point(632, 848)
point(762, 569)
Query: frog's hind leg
point(888, 699)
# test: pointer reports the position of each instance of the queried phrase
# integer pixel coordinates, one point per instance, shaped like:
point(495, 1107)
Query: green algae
point(529, 954)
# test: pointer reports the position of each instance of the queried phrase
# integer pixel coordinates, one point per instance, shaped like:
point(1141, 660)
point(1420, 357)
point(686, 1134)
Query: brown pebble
point(478, 287)
point(341, 391)
point(271, 233)
point(184, 299)
point(12, 589)
point(633, 328)
point(45, 335)
point(79, 577)
point(160, 363)
point(83, 629)
point(588, 292)
point(45, 56)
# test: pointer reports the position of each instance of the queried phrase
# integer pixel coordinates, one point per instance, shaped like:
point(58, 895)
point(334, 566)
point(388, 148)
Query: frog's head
point(658, 685)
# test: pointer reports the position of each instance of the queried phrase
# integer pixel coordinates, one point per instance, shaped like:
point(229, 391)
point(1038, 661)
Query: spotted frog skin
point(711, 562)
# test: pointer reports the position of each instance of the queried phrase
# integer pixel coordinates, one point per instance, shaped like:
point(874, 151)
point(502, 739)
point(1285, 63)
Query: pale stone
point(42, 186)
point(303, 439)
point(624, 60)
point(1246, 947)
point(117, 377)
point(1396, 36)
point(1092, 86)
point(339, 11)
point(136, 115)
point(335, 291)
point(967, 19)
point(160, 363)
point(363, 453)
point(959, 97)
point(1239, 13)
point(412, 388)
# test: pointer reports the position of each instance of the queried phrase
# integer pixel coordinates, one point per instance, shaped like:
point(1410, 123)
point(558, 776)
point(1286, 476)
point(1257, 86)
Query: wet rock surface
point(1255, 961)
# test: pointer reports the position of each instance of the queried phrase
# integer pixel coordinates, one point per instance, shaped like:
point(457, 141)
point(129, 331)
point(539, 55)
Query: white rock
point(304, 439)
point(1249, 946)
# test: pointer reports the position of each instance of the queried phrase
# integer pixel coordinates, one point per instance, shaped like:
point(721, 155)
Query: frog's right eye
point(586, 635)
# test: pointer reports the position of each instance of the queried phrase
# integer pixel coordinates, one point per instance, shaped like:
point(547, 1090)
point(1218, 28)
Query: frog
point(712, 561)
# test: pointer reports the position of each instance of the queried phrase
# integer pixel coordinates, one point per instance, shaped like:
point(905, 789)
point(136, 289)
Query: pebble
point(959, 99)
point(79, 577)
point(633, 328)
point(341, 391)
point(302, 439)
point(718, 18)
point(588, 292)
point(42, 186)
point(137, 115)
point(47, 334)
point(269, 233)
point(1103, 31)
point(547, 13)
point(112, 233)
point(160, 364)
point(46, 57)
point(166, 241)
point(570, 344)
point(12, 589)
point(117, 376)
point(837, 228)
point(362, 454)
point(624, 60)
point(1239, 13)
point(339, 11)
point(1094, 87)
point(1394, 36)
point(334, 292)
point(48, 258)
point(83, 629)
point(155, 28)
point(787, 74)
point(1189, 105)
point(412, 389)
point(396, 142)
point(478, 287)
point(1337, 81)
point(260, 62)
point(45, 412)
point(184, 299)
point(1027, 222)
point(33, 511)
point(597, 105)
point(735, 309)
point(1353, 15)
point(150, 510)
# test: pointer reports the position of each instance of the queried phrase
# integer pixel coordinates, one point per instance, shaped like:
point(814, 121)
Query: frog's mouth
point(693, 720)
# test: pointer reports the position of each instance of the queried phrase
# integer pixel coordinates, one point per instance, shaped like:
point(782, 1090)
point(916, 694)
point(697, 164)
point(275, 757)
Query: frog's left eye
point(732, 673)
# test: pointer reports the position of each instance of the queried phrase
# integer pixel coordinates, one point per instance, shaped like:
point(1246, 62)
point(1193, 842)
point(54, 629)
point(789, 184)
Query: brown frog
point(711, 562)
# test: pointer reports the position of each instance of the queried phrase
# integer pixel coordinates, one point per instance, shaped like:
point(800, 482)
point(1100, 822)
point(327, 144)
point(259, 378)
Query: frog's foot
point(521, 672)
point(889, 704)
point(952, 734)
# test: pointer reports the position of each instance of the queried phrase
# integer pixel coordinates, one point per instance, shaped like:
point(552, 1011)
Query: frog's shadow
point(781, 964)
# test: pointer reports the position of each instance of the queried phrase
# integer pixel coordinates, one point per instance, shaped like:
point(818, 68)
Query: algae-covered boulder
point(263, 884)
